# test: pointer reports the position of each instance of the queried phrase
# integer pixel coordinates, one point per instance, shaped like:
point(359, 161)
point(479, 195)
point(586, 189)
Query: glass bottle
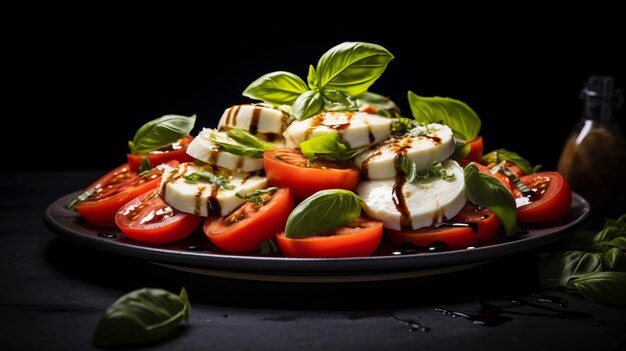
point(593, 159)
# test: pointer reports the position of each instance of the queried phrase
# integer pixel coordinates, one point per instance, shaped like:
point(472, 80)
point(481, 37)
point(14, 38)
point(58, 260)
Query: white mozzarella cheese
point(262, 121)
point(357, 128)
point(425, 146)
point(405, 206)
point(203, 198)
point(203, 149)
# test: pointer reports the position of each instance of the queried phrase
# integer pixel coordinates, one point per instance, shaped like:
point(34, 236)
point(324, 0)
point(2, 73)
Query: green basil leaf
point(352, 67)
point(245, 138)
point(614, 260)
point(256, 197)
point(384, 105)
point(145, 166)
point(602, 287)
point(276, 88)
point(323, 211)
point(312, 78)
point(328, 146)
point(611, 231)
point(269, 247)
point(308, 105)
point(161, 132)
point(421, 175)
point(485, 190)
point(456, 114)
point(461, 150)
point(82, 197)
point(235, 148)
point(619, 242)
point(558, 269)
point(499, 155)
point(401, 126)
point(338, 101)
point(142, 316)
point(219, 182)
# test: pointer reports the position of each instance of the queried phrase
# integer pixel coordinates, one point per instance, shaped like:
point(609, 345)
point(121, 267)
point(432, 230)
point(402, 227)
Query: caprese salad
point(324, 168)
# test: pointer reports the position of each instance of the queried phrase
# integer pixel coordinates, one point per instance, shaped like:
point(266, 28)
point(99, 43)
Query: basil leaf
point(499, 155)
point(614, 260)
point(276, 88)
point(256, 197)
point(323, 211)
point(219, 182)
point(82, 197)
point(383, 104)
point(558, 269)
point(456, 114)
point(602, 287)
point(485, 190)
point(142, 316)
point(269, 247)
point(461, 150)
point(611, 231)
point(145, 166)
point(401, 126)
point(161, 132)
point(337, 101)
point(308, 104)
point(245, 138)
point(619, 242)
point(328, 146)
point(236, 149)
point(352, 67)
point(312, 78)
point(420, 175)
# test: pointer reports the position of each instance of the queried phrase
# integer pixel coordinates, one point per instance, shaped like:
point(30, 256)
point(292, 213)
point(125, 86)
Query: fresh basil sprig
point(245, 138)
point(328, 147)
point(142, 316)
point(485, 190)
point(342, 74)
point(420, 175)
point(82, 197)
point(384, 106)
point(596, 269)
point(236, 148)
point(499, 155)
point(161, 132)
point(456, 114)
point(219, 182)
point(323, 211)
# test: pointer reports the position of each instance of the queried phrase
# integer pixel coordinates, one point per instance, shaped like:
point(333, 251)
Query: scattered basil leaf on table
point(602, 287)
point(499, 155)
point(323, 211)
point(142, 316)
point(276, 88)
point(328, 146)
point(161, 132)
point(614, 259)
point(82, 197)
point(559, 268)
point(485, 190)
point(457, 115)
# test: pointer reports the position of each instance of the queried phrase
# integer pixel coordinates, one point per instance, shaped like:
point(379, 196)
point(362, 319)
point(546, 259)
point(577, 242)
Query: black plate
point(382, 265)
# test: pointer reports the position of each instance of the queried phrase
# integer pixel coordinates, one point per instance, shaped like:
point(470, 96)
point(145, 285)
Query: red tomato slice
point(148, 218)
point(115, 189)
point(250, 225)
point(550, 202)
point(499, 176)
point(356, 238)
point(288, 168)
point(176, 151)
point(476, 150)
point(483, 225)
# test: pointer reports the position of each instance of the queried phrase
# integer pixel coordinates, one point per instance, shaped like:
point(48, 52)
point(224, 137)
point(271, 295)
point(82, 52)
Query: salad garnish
point(161, 132)
point(328, 147)
point(413, 174)
point(499, 155)
point(219, 181)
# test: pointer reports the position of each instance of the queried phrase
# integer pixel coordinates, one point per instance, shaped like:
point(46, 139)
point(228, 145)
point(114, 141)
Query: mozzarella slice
point(203, 149)
point(406, 206)
point(203, 198)
point(262, 121)
point(425, 146)
point(357, 128)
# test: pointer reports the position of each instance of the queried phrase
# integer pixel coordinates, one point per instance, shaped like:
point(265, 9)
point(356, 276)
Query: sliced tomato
point(475, 224)
point(290, 168)
point(175, 151)
point(148, 218)
point(476, 150)
point(499, 176)
point(251, 224)
point(114, 190)
point(551, 200)
point(356, 238)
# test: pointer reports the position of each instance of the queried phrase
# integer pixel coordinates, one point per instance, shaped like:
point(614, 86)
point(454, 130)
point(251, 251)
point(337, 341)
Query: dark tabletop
point(53, 293)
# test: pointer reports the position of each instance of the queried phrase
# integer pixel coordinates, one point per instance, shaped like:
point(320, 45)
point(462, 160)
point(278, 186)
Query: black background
point(81, 86)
